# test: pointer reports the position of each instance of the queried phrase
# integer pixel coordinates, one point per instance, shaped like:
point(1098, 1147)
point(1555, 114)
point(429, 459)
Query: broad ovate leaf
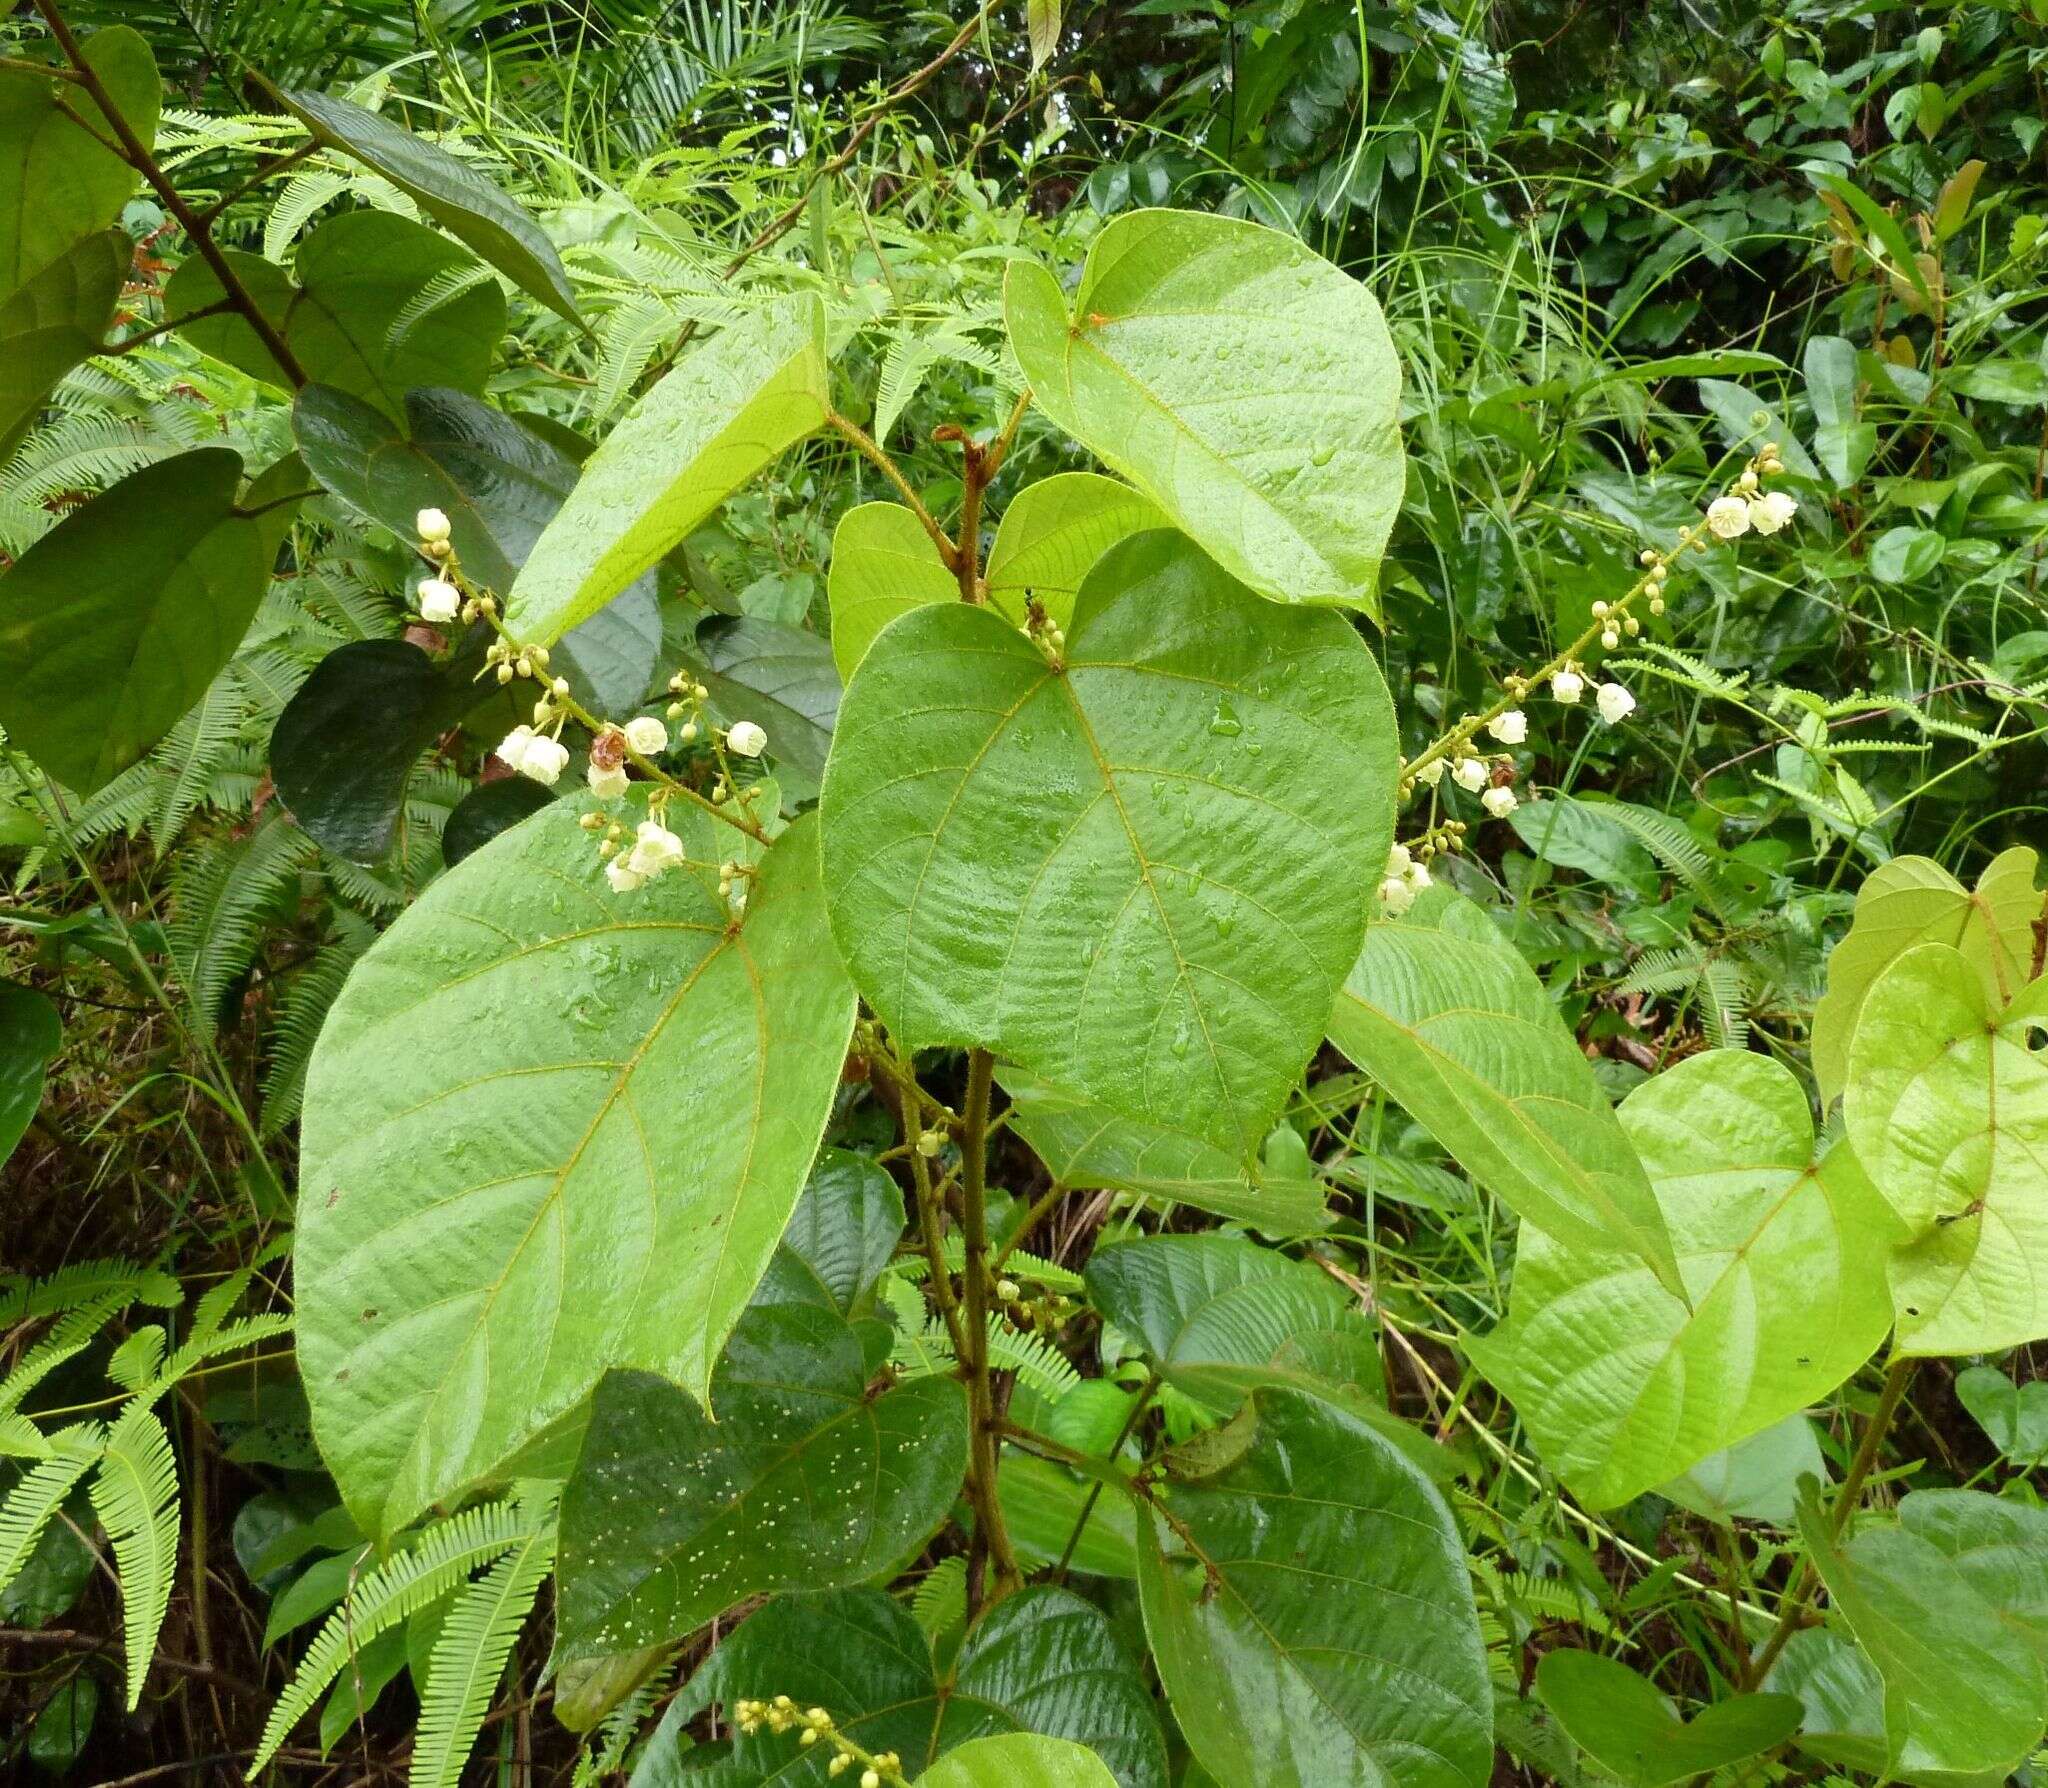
point(1019, 1760)
point(115, 622)
point(55, 319)
point(1999, 1544)
point(551, 1130)
point(1627, 1725)
point(1123, 869)
point(449, 191)
point(2014, 1417)
point(883, 565)
point(1947, 1106)
point(1913, 900)
point(1623, 1385)
point(1311, 1612)
point(1239, 380)
point(1443, 1013)
point(1754, 1480)
point(709, 424)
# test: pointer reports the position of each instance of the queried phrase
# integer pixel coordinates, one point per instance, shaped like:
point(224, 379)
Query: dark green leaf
point(846, 1226)
point(65, 1724)
point(486, 811)
point(1627, 1726)
point(781, 678)
point(31, 1033)
point(52, 322)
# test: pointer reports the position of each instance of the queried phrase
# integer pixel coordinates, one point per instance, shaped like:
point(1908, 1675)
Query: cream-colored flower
point(747, 739)
point(440, 601)
point(1510, 728)
point(1396, 897)
point(647, 735)
point(1771, 511)
point(1398, 860)
point(607, 782)
point(1567, 686)
point(432, 526)
point(1471, 773)
point(623, 877)
point(1728, 517)
point(1498, 802)
point(1615, 703)
point(1431, 773)
point(655, 849)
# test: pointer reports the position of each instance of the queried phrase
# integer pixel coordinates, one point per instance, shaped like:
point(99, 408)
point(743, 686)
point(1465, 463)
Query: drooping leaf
point(66, 183)
point(1240, 381)
point(115, 622)
point(2015, 1416)
point(1621, 1384)
point(1841, 1698)
point(344, 314)
point(802, 1481)
point(1123, 870)
point(1019, 1760)
point(486, 811)
point(1041, 1660)
point(883, 565)
point(594, 1113)
point(1626, 1725)
point(64, 1726)
point(1311, 1612)
point(781, 678)
point(1947, 1106)
point(1084, 1144)
point(449, 191)
point(714, 420)
point(1912, 900)
point(31, 1033)
point(1754, 1480)
point(1453, 1023)
point(57, 318)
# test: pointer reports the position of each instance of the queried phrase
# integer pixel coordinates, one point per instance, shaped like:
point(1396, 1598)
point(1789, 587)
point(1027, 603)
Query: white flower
point(1771, 511)
point(1567, 686)
point(432, 525)
point(1510, 728)
point(1431, 773)
point(1396, 897)
point(1498, 802)
point(532, 754)
point(655, 848)
point(440, 601)
point(647, 735)
point(512, 748)
point(607, 784)
point(1470, 773)
point(1616, 704)
point(1398, 860)
point(1728, 517)
point(747, 739)
point(1416, 875)
point(622, 876)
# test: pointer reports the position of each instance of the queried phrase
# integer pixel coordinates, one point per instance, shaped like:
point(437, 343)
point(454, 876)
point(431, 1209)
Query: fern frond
point(191, 756)
point(442, 290)
point(1724, 1004)
point(135, 1495)
point(1035, 1361)
point(1019, 1263)
point(1670, 665)
point(36, 1498)
point(20, 1438)
point(68, 1336)
point(301, 1014)
point(626, 341)
point(138, 1359)
point(221, 899)
point(88, 1282)
point(1664, 970)
point(941, 1599)
point(311, 189)
point(1681, 854)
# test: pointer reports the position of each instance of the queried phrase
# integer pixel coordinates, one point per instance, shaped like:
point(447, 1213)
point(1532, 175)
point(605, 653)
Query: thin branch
point(879, 456)
point(268, 171)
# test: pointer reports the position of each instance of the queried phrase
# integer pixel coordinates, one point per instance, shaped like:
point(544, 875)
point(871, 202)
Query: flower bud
point(432, 526)
point(747, 739)
point(929, 1142)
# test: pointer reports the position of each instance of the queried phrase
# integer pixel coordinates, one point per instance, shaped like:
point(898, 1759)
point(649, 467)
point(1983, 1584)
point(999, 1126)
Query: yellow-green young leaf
point(135, 1495)
point(1453, 1023)
point(63, 182)
point(1913, 900)
point(346, 315)
point(883, 565)
point(589, 1115)
point(113, 624)
point(449, 191)
point(1311, 1612)
point(1019, 1760)
point(712, 422)
point(1042, 19)
point(1621, 1385)
point(1124, 870)
point(55, 319)
point(1947, 1106)
point(1238, 379)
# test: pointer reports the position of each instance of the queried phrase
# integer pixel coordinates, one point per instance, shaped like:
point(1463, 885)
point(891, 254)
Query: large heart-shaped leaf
point(1444, 1014)
point(1041, 1660)
point(57, 318)
point(1913, 900)
point(1755, 1479)
point(115, 622)
point(2000, 1546)
point(500, 484)
point(1019, 1760)
point(1123, 871)
point(449, 191)
point(1947, 1106)
point(378, 306)
point(1627, 1726)
point(1240, 381)
point(1621, 1384)
point(31, 1033)
point(1311, 1612)
point(64, 181)
point(589, 1116)
point(712, 421)
point(1084, 1144)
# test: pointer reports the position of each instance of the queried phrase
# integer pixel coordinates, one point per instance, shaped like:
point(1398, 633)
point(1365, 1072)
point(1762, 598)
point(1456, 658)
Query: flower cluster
point(1406, 877)
point(812, 1724)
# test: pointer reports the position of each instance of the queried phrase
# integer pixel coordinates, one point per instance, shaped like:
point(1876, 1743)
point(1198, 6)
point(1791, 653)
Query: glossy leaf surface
point(883, 565)
point(487, 810)
point(2014, 1416)
point(1123, 872)
point(1052, 534)
point(1019, 1760)
point(56, 319)
point(1240, 381)
point(594, 1113)
point(1627, 1726)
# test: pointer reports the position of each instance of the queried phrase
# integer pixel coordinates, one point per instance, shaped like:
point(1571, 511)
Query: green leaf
point(1963, 1691)
point(2014, 1416)
point(1444, 1014)
point(1052, 534)
point(1999, 1545)
point(35, 1497)
point(487, 810)
point(846, 1226)
point(64, 183)
point(1627, 1726)
point(1007, 840)
point(1754, 1480)
point(1621, 1384)
point(1947, 1106)
point(1042, 19)
point(57, 318)
point(713, 421)
point(343, 316)
point(1579, 835)
point(1311, 1613)
point(1041, 1660)
point(1086, 1145)
point(1019, 1760)
point(781, 678)
point(500, 484)
point(1842, 1703)
point(595, 1112)
point(135, 1495)
point(1042, 1505)
point(1240, 381)
point(449, 191)
point(115, 622)
point(468, 1659)
point(64, 1726)
point(802, 1481)
point(1913, 900)
point(883, 565)
point(31, 1034)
